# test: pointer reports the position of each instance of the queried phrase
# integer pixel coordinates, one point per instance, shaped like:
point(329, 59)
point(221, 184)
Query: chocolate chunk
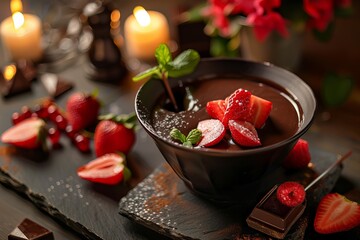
point(54, 85)
point(31, 231)
point(13, 81)
point(28, 68)
point(273, 218)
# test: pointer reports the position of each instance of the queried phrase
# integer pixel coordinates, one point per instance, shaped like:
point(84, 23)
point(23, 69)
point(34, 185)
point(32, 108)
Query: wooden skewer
point(337, 162)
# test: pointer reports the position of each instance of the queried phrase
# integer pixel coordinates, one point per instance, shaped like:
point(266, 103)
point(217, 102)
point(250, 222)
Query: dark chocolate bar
point(31, 231)
point(272, 217)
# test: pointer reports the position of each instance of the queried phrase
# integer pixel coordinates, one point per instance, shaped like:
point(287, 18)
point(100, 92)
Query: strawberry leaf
point(127, 174)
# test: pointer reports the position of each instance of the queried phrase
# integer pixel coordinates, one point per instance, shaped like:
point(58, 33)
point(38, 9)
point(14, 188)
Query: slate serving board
point(163, 203)
point(50, 180)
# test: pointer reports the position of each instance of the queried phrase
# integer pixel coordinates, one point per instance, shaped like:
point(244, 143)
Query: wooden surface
point(334, 130)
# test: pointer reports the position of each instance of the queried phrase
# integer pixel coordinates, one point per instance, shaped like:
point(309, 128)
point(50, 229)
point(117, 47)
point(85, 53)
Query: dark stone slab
point(50, 180)
point(163, 203)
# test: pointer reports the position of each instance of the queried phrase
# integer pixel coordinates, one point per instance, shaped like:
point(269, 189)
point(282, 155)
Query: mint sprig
point(182, 65)
point(191, 139)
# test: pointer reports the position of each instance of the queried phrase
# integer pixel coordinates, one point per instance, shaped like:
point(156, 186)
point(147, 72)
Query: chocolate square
point(31, 231)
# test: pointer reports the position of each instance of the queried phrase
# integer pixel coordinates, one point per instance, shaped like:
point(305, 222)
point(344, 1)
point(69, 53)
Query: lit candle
point(21, 34)
point(144, 31)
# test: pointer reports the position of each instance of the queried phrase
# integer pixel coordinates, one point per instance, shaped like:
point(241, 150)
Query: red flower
point(263, 6)
point(321, 13)
point(264, 24)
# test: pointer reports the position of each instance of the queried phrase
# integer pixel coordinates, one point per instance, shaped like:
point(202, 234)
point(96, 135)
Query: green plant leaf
point(187, 144)
point(194, 136)
point(151, 72)
point(177, 135)
point(336, 89)
point(183, 64)
point(163, 55)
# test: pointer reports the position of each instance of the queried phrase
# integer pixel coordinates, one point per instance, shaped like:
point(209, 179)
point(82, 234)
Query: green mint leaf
point(183, 64)
point(194, 136)
point(163, 55)
point(187, 144)
point(151, 72)
point(177, 135)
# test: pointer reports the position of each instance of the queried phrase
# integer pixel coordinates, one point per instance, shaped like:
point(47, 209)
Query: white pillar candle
point(23, 42)
point(144, 31)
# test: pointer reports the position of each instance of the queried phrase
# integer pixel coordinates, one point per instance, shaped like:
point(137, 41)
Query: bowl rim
point(220, 152)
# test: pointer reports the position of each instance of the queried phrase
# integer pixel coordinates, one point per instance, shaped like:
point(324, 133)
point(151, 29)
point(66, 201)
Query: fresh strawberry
point(244, 133)
point(28, 134)
point(336, 213)
point(216, 109)
point(213, 131)
point(238, 106)
point(299, 157)
point(107, 169)
point(291, 194)
point(114, 134)
point(82, 110)
point(259, 111)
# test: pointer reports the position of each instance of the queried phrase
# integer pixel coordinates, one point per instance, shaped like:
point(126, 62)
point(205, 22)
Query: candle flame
point(16, 6)
point(18, 19)
point(142, 16)
point(9, 72)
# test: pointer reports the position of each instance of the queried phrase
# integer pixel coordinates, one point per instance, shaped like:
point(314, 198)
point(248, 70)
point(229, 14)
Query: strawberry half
point(29, 134)
point(237, 107)
point(82, 110)
point(213, 131)
point(244, 133)
point(299, 157)
point(108, 169)
point(216, 109)
point(259, 111)
point(336, 213)
point(114, 134)
point(291, 194)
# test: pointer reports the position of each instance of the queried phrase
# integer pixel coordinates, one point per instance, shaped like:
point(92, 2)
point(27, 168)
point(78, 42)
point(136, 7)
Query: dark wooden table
point(335, 129)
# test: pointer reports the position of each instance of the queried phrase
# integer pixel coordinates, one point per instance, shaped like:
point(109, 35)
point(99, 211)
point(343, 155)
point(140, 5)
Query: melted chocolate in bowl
point(283, 122)
point(227, 172)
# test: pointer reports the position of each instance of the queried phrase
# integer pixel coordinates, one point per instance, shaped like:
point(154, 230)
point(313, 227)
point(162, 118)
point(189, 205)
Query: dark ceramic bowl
point(227, 175)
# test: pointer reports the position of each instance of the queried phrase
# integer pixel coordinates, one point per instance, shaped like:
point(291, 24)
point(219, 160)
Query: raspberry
point(291, 194)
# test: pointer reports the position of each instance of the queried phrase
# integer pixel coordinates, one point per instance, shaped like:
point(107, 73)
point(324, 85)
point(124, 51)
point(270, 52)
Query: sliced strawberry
point(336, 213)
point(213, 131)
point(291, 194)
point(299, 157)
point(28, 133)
point(107, 169)
point(238, 106)
point(244, 133)
point(216, 109)
point(259, 111)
